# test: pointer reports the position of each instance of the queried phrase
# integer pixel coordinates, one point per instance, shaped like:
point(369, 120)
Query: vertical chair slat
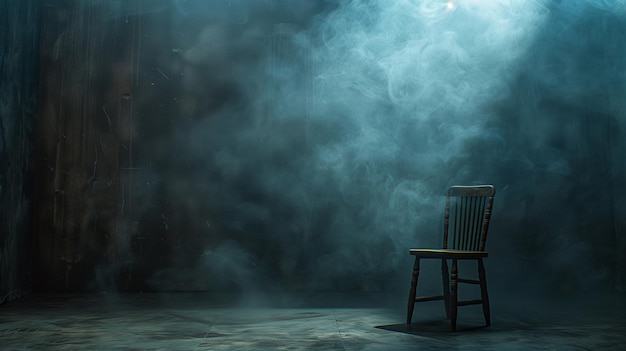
point(475, 215)
point(465, 220)
point(477, 221)
point(455, 238)
point(446, 223)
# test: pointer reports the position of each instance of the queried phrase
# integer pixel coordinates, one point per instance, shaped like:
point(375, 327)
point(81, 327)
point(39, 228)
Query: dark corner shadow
point(432, 328)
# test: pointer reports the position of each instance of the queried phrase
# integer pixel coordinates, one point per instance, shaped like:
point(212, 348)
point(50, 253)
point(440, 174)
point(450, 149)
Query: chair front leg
point(446, 286)
point(484, 296)
point(453, 294)
point(413, 291)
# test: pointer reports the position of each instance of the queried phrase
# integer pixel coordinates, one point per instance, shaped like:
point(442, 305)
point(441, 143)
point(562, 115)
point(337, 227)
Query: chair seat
point(447, 253)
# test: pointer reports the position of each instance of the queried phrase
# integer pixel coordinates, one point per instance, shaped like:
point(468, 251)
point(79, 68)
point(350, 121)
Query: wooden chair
point(465, 226)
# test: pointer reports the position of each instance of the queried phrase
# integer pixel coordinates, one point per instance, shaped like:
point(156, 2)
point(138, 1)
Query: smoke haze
point(311, 144)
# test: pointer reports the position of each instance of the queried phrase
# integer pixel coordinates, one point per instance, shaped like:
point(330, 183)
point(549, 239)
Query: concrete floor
point(199, 321)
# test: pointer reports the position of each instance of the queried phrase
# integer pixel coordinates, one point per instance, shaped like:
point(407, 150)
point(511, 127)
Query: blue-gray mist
point(311, 144)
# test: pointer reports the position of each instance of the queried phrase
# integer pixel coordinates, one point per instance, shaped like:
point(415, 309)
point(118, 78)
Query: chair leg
point(483, 291)
point(413, 291)
point(446, 286)
point(453, 294)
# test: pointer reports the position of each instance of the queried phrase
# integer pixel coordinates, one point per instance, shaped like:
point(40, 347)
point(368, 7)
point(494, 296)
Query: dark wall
point(19, 74)
point(279, 145)
point(86, 144)
point(562, 130)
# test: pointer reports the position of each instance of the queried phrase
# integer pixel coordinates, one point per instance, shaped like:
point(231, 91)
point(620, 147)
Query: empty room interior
point(294, 175)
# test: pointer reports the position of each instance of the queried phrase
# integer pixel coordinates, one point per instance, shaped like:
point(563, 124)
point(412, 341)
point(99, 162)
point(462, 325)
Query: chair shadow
point(431, 328)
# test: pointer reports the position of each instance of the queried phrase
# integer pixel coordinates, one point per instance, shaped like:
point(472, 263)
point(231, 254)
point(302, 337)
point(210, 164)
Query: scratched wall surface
point(19, 33)
point(259, 146)
point(85, 158)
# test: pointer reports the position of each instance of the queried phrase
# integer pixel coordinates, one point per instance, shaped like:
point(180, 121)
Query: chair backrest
point(466, 218)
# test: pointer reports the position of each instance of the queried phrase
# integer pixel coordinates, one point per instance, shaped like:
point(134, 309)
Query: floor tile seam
point(218, 317)
point(339, 331)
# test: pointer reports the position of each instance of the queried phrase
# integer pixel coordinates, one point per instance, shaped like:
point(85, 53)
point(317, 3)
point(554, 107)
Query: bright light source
point(450, 5)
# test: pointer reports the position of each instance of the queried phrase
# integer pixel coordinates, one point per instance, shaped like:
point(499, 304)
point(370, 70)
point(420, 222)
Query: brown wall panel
point(89, 69)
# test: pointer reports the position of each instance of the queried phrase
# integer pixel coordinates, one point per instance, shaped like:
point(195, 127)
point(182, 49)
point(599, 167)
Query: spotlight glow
point(450, 6)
